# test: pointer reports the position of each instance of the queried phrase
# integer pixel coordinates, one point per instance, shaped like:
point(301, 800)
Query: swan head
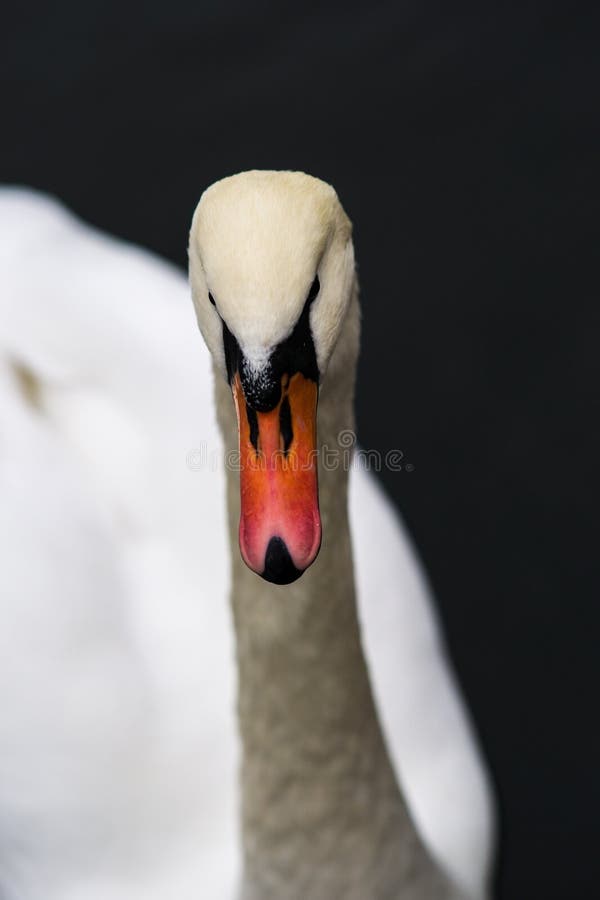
point(271, 272)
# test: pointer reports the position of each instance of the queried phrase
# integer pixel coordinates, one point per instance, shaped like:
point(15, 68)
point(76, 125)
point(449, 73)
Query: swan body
point(118, 742)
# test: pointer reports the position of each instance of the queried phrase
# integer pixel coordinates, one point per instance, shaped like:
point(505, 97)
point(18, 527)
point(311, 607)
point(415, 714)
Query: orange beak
point(280, 525)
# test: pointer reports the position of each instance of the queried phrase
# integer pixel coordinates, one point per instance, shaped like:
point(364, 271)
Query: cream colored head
point(257, 241)
point(272, 274)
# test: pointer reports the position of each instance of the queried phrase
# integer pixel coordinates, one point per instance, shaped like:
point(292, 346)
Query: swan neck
point(322, 815)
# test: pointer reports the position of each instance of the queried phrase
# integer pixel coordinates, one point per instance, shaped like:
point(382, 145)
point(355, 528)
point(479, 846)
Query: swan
point(118, 746)
point(275, 291)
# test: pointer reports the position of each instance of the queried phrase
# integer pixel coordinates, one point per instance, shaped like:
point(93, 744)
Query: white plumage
point(117, 737)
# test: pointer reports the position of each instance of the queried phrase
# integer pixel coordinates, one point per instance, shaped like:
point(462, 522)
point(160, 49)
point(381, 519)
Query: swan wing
point(117, 772)
point(427, 727)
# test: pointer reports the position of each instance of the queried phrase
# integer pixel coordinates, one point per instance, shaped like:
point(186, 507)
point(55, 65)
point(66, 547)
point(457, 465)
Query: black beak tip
point(279, 568)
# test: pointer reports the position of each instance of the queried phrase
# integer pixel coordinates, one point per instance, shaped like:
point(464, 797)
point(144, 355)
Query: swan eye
point(211, 298)
point(314, 289)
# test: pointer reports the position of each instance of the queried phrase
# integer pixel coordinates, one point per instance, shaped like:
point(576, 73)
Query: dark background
point(459, 138)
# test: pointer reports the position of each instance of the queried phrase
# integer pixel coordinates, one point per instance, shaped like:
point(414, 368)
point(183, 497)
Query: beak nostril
point(253, 425)
point(285, 424)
